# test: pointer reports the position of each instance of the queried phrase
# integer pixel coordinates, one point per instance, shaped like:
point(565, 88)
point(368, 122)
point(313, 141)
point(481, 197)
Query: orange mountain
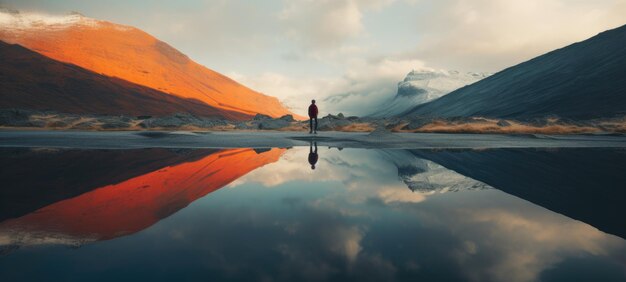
point(135, 204)
point(131, 54)
point(30, 80)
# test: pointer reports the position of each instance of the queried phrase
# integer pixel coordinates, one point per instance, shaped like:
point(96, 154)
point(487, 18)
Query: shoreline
point(285, 139)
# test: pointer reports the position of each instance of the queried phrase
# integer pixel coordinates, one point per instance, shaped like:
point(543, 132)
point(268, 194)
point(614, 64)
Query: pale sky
point(353, 50)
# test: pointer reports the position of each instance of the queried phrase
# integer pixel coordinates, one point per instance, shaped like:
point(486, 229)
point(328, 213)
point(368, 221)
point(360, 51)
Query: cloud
point(346, 241)
point(321, 23)
point(363, 86)
point(232, 28)
point(325, 23)
point(403, 196)
point(487, 35)
point(523, 245)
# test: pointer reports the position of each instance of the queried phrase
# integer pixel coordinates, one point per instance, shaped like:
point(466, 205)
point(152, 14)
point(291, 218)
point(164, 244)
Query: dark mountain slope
point(584, 80)
point(30, 80)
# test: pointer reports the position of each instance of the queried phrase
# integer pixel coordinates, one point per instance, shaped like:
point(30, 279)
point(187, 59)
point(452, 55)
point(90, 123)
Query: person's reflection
point(312, 154)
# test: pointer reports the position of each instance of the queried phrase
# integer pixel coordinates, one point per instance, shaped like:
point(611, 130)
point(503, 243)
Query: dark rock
point(331, 122)
point(503, 123)
point(273, 124)
point(261, 150)
point(245, 125)
point(261, 117)
point(288, 118)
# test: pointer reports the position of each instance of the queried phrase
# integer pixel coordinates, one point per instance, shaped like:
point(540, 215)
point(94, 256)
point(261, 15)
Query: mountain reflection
point(134, 204)
point(35, 178)
point(585, 184)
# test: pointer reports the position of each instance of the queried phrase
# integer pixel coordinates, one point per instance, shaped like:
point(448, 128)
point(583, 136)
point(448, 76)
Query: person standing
point(313, 116)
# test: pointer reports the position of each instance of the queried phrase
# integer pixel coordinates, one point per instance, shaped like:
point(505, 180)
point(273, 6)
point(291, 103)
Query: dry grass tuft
point(357, 127)
point(490, 126)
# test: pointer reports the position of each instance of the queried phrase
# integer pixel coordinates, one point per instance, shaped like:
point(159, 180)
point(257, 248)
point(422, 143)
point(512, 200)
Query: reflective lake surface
point(266, 215)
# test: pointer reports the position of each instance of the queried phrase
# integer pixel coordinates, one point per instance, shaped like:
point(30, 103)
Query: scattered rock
point(245, 125)
point(273, 124)
point(180, 120)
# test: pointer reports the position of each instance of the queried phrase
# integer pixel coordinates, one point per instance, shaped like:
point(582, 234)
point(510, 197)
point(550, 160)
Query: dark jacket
point(312, 111)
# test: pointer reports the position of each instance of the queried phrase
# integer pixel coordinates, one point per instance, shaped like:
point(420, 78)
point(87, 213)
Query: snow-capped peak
point(424, 85)
point(15, 20)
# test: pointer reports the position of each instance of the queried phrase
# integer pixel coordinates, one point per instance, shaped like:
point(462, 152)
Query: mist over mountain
point(421, 86)
point(584, 80)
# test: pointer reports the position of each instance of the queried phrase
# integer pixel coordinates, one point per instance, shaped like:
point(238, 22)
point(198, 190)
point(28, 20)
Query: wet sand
point(267, 139)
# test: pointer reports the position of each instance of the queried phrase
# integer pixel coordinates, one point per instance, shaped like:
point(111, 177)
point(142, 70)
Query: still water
point(267, 215)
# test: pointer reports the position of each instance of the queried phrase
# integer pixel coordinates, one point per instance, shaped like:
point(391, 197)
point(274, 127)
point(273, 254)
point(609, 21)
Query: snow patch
point(15, 20)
